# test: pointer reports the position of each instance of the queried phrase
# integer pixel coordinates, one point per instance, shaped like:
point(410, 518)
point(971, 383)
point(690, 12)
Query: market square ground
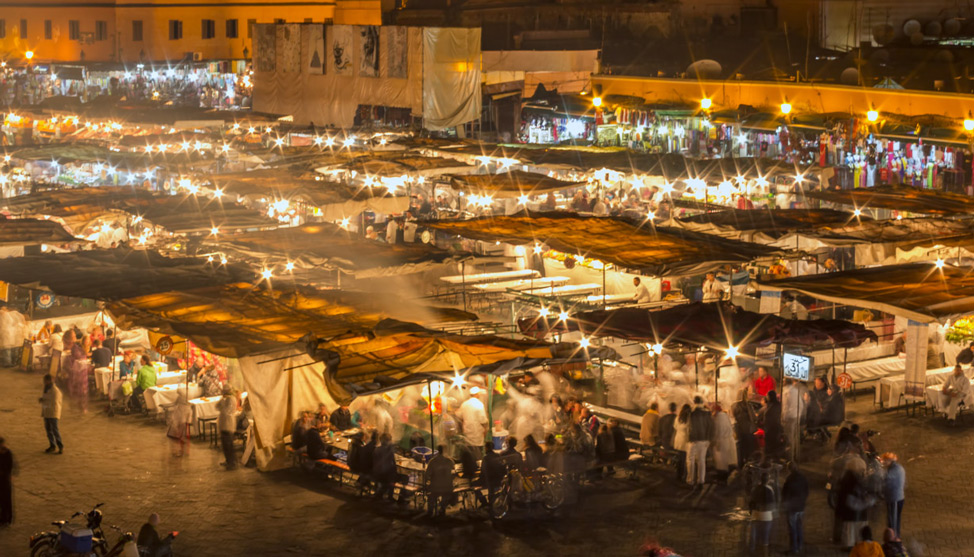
point(124, 461)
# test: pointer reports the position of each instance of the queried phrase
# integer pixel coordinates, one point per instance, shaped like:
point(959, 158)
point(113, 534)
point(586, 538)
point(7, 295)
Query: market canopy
point(512, 184)
point(902, 232)
point(328, 245)
point(772, 223)
point(21, 232)
point(671, 166)
point(184, 213)
point(899, 198)
point(919, 291)
point(717, 326)
point(652, 250)
point(117, 273)
point(334, 200)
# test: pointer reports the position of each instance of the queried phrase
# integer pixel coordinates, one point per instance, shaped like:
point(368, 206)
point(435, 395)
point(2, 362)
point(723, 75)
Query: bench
point(332, 467)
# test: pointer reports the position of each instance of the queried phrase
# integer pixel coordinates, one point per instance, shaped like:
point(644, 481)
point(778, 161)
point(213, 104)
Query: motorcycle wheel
point(554, 493)
point(500, 505)
point(44, 548)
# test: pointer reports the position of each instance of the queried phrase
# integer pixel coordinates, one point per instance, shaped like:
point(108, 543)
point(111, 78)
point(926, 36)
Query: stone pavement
point(125, 462)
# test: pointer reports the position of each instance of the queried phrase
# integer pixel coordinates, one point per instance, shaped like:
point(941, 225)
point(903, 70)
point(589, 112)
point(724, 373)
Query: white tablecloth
point(156, 397)
point(170, 377)
point(39, 349)
point(205, 407)
point(890, 388)
point(936, 398)
point(103, 378)
point(871, 370)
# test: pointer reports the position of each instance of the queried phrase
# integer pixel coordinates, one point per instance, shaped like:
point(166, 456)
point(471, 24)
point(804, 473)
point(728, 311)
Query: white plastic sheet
point(451, 77)
point(277, 396)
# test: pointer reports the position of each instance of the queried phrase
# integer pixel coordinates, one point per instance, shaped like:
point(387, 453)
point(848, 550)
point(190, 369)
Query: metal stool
point(202, 426)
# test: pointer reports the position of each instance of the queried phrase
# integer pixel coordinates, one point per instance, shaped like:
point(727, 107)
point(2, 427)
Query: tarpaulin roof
point(654, 250)
point(335, 200)
point(771, 222)
point(916, 231)
point(328, 245)
point(671, 166)
point(392, 351)
point(405, 164)
point(19, 232)
point(512, 184)
point(116, 274)
point(901, 198)
point(77, 207)
point(919, 291)
point(713, 325)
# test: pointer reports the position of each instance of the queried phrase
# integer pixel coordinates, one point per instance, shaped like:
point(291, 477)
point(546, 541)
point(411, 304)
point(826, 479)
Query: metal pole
point(463, 284)
point(429, 387)
point(603, 285)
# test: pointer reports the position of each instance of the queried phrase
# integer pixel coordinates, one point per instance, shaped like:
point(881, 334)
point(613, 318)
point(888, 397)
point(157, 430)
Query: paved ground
point(124, 462)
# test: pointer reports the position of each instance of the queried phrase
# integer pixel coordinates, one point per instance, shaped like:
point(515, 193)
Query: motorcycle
point(124, 547)
point(48, 543)
point(517, 489)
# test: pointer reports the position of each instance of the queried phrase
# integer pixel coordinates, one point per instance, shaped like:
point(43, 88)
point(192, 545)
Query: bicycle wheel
point(501, 504)
point(554, 493)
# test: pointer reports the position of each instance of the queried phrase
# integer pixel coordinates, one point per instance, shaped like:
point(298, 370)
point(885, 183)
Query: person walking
point(794, 494)
point(8, 467)
point(893, 491)
point(439, 479)
point(699, 434)
point(51, 412)
point(761, 504)
point(227, 423)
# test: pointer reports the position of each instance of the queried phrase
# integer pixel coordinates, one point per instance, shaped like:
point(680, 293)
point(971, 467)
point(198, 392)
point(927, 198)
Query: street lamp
point(785, 108)
point(29, 55)
point(872, 115)
point(706, 103)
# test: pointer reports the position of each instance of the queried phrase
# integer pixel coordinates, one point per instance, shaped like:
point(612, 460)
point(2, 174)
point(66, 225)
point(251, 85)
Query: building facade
point(133, 31)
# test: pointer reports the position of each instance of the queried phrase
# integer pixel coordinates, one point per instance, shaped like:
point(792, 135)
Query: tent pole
point(429, 387)
point(696, 370)
point(603, 286)
point(490, 407)
point(463, 283)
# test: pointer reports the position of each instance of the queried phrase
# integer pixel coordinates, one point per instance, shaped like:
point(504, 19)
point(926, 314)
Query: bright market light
point(732, 352)
point(290, 266)
point(209, 259)
point(563, 316)
point(585, 342)
point(872, 115)
point(857, 212)
point(318, 140)
point(344, 223)
point(537, 249)
point(267, 274)
point(939, 263)
point(279, 141)
point(218, 193)
point(458, 381)
point(785, 108)
point(522, 199)
point(650, 215)
point(706, 103)
point(799, 178)
point(223, 260)
point(348, 142)
point(29, 54)
point(329, 141)
point(225, 148)
point(215, 230)
point(251, 129)
point(519, 250)
point(544, 312)
point(969, 125)
point(597, 101)
point(658, 348)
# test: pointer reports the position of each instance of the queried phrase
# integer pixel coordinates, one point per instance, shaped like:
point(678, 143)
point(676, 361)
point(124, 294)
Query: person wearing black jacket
point(794, 494)
point(770, 420)
point(666, 429)
point(701, 431)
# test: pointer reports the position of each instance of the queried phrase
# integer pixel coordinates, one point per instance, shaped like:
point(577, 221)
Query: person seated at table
point(127, 366)
point(145, 379)
point(299, 431)
point(954, 392)
point(44, 335)
point(341, 419)
point(533, 455)
point(194, 370)
point(100, 356)
point(210, 382)
point(384, 468)
point(762, 384)
point(57, 339)
point(439, 480)
point(317, 449)
point(510, 454)
point(321, 418)
point(966, 356)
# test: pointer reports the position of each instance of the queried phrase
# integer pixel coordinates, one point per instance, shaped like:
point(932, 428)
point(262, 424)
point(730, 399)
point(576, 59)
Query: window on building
point(101, 30)
point(74, 30)
point(232, 32)
point(23, 29)
point(48, 29)
point(209, 28)
point(3, 28)
point(137, 30)
point(175, 29)
point(250, 28)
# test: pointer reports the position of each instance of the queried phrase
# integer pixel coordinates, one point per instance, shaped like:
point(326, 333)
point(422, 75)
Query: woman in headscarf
point(725, 449)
